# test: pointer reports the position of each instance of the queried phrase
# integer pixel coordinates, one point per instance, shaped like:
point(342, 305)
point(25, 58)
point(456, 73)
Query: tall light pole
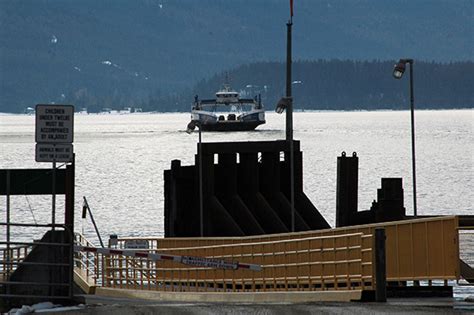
point(398, 71)
point(287, 103)
point(190, 128)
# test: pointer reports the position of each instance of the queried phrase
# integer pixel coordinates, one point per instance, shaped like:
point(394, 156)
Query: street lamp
point(283, 104)
point(398, 72)
point(190, 128)
point(286, 103)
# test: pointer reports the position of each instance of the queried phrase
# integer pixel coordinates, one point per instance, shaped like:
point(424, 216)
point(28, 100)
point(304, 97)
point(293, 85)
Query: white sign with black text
point(208, 262)
point(54, 123)
point(48, 152)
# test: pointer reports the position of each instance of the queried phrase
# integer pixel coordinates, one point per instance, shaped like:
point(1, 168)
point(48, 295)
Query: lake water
point(120, 161)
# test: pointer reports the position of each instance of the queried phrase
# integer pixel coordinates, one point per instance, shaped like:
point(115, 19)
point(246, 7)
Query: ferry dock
point(241, 236)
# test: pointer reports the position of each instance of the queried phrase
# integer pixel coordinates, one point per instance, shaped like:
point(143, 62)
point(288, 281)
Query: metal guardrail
point(13, 257)
point(13, 254)
point(89, 263)
point(420, 249)
point(424, 250)
point(310, 263)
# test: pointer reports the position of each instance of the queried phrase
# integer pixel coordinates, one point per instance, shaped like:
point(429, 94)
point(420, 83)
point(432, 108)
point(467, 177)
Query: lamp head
point(283, 104)
point(191, 126)
point(399, 69)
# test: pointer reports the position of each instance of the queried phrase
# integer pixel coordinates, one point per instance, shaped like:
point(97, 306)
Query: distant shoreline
point(297, 110)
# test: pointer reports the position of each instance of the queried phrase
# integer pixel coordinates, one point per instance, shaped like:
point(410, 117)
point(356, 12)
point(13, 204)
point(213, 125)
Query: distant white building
point(29, 111)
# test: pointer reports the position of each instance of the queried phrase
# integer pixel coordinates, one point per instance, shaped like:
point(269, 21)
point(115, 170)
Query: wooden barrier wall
point(420, 249)
point(307, 263)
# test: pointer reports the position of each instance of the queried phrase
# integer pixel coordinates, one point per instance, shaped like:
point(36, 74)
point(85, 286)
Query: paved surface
point(100, 305)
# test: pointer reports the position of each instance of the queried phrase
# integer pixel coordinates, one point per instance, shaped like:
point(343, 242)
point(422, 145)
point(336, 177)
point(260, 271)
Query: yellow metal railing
point(333, 259)
point(88, 263)
point(308, 263)
point(420, 249)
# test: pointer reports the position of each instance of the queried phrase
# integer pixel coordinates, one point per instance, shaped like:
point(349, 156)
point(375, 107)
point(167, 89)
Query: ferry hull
point(232, 126)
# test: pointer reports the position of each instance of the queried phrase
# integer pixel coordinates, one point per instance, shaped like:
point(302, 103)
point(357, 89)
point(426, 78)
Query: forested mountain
point(339, 85)
point(116, 53)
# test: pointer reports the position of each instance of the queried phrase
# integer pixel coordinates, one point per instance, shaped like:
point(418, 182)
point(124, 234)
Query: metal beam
point(32, 181)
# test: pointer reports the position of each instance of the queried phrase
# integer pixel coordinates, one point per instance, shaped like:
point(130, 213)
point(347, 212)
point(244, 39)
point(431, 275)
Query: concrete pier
point(117, 306)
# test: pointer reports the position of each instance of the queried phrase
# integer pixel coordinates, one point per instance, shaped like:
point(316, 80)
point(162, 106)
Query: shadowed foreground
point(103, 305)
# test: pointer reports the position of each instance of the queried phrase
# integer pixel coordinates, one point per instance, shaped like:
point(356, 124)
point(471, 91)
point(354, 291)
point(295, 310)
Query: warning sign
point(54, 123)
point(47, 152)
point(208, 262)
point(136, 244)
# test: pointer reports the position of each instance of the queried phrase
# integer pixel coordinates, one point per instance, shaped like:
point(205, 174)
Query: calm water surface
point(120, 161)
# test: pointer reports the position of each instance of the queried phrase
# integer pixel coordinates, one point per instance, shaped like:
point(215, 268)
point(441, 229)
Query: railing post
point(380, 266)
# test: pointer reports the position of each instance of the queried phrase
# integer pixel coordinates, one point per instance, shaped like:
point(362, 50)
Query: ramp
point(83, 281)
point(235, 297)
point(467, 272)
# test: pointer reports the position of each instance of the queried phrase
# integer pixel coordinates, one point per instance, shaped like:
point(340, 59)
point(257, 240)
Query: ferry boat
point(228, 112)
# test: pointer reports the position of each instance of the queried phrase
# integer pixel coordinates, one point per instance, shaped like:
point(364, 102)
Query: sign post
point(54, 136)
